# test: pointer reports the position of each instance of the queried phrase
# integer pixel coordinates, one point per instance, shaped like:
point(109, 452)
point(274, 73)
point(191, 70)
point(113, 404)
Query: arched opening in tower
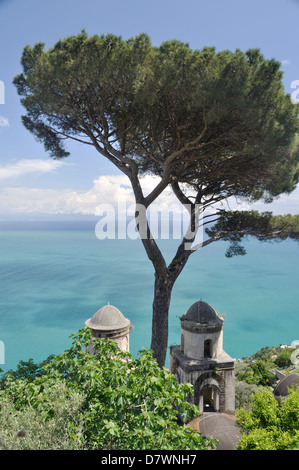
point(210, 399)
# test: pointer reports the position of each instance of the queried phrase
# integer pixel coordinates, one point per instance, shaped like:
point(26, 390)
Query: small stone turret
point(109, 322)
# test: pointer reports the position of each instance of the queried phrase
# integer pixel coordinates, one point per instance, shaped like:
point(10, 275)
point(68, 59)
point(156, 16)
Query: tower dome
point(108, 322)
point(203, 314)
point(107, 318)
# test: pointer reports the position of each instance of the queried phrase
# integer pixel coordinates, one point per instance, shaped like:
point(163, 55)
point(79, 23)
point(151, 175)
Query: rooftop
point(203, 313)
point(283, 386)
point(108, 318)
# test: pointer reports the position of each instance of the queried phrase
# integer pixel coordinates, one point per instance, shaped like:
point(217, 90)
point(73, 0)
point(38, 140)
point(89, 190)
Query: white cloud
point(114, 190)
point(22, 167)
point(105, 189)
point(4, 121)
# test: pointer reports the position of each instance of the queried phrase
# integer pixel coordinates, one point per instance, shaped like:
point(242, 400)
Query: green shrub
point(244, 394)
point(120, 403)
point(268, 425)
point(284, 358)
point(54, 422)
point(256, 373)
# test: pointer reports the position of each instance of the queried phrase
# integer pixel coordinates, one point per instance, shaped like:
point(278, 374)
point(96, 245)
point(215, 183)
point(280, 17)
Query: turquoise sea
point(56, 275)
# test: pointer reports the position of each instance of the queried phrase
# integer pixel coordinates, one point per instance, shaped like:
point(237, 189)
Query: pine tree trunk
point(165, 276)
point(161, 303)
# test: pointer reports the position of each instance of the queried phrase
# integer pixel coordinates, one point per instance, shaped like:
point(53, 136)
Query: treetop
point(219, 122)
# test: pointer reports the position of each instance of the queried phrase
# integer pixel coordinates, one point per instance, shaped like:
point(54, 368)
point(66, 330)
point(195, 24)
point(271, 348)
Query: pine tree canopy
point(219, 122)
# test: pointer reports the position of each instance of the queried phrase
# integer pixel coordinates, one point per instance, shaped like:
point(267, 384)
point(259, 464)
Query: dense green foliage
point(258, 371)
point(255, 368)
point(103, 401)
point(264, 354)
point(265, 423)
point(46, 415)
point(257, 374)
point(238, 225)
point(284, 358)
point(244, 393)
point(79, 401)
point(27, 370)
point(269, 425)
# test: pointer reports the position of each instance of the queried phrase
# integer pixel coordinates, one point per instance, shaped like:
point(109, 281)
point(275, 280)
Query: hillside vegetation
point(265, 423)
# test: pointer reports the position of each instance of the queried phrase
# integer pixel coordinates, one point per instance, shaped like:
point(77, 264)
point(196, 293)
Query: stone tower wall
point(194, 341)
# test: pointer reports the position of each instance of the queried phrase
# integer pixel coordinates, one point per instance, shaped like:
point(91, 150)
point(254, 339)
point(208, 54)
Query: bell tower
point(201, 360)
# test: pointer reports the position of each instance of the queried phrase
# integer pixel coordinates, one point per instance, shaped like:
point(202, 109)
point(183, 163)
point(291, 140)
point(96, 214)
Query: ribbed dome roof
point(107, 318)
point(289, 381)
point(201, 312)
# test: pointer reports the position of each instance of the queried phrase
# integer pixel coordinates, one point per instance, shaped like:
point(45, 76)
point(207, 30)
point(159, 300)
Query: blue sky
point(34, 185)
